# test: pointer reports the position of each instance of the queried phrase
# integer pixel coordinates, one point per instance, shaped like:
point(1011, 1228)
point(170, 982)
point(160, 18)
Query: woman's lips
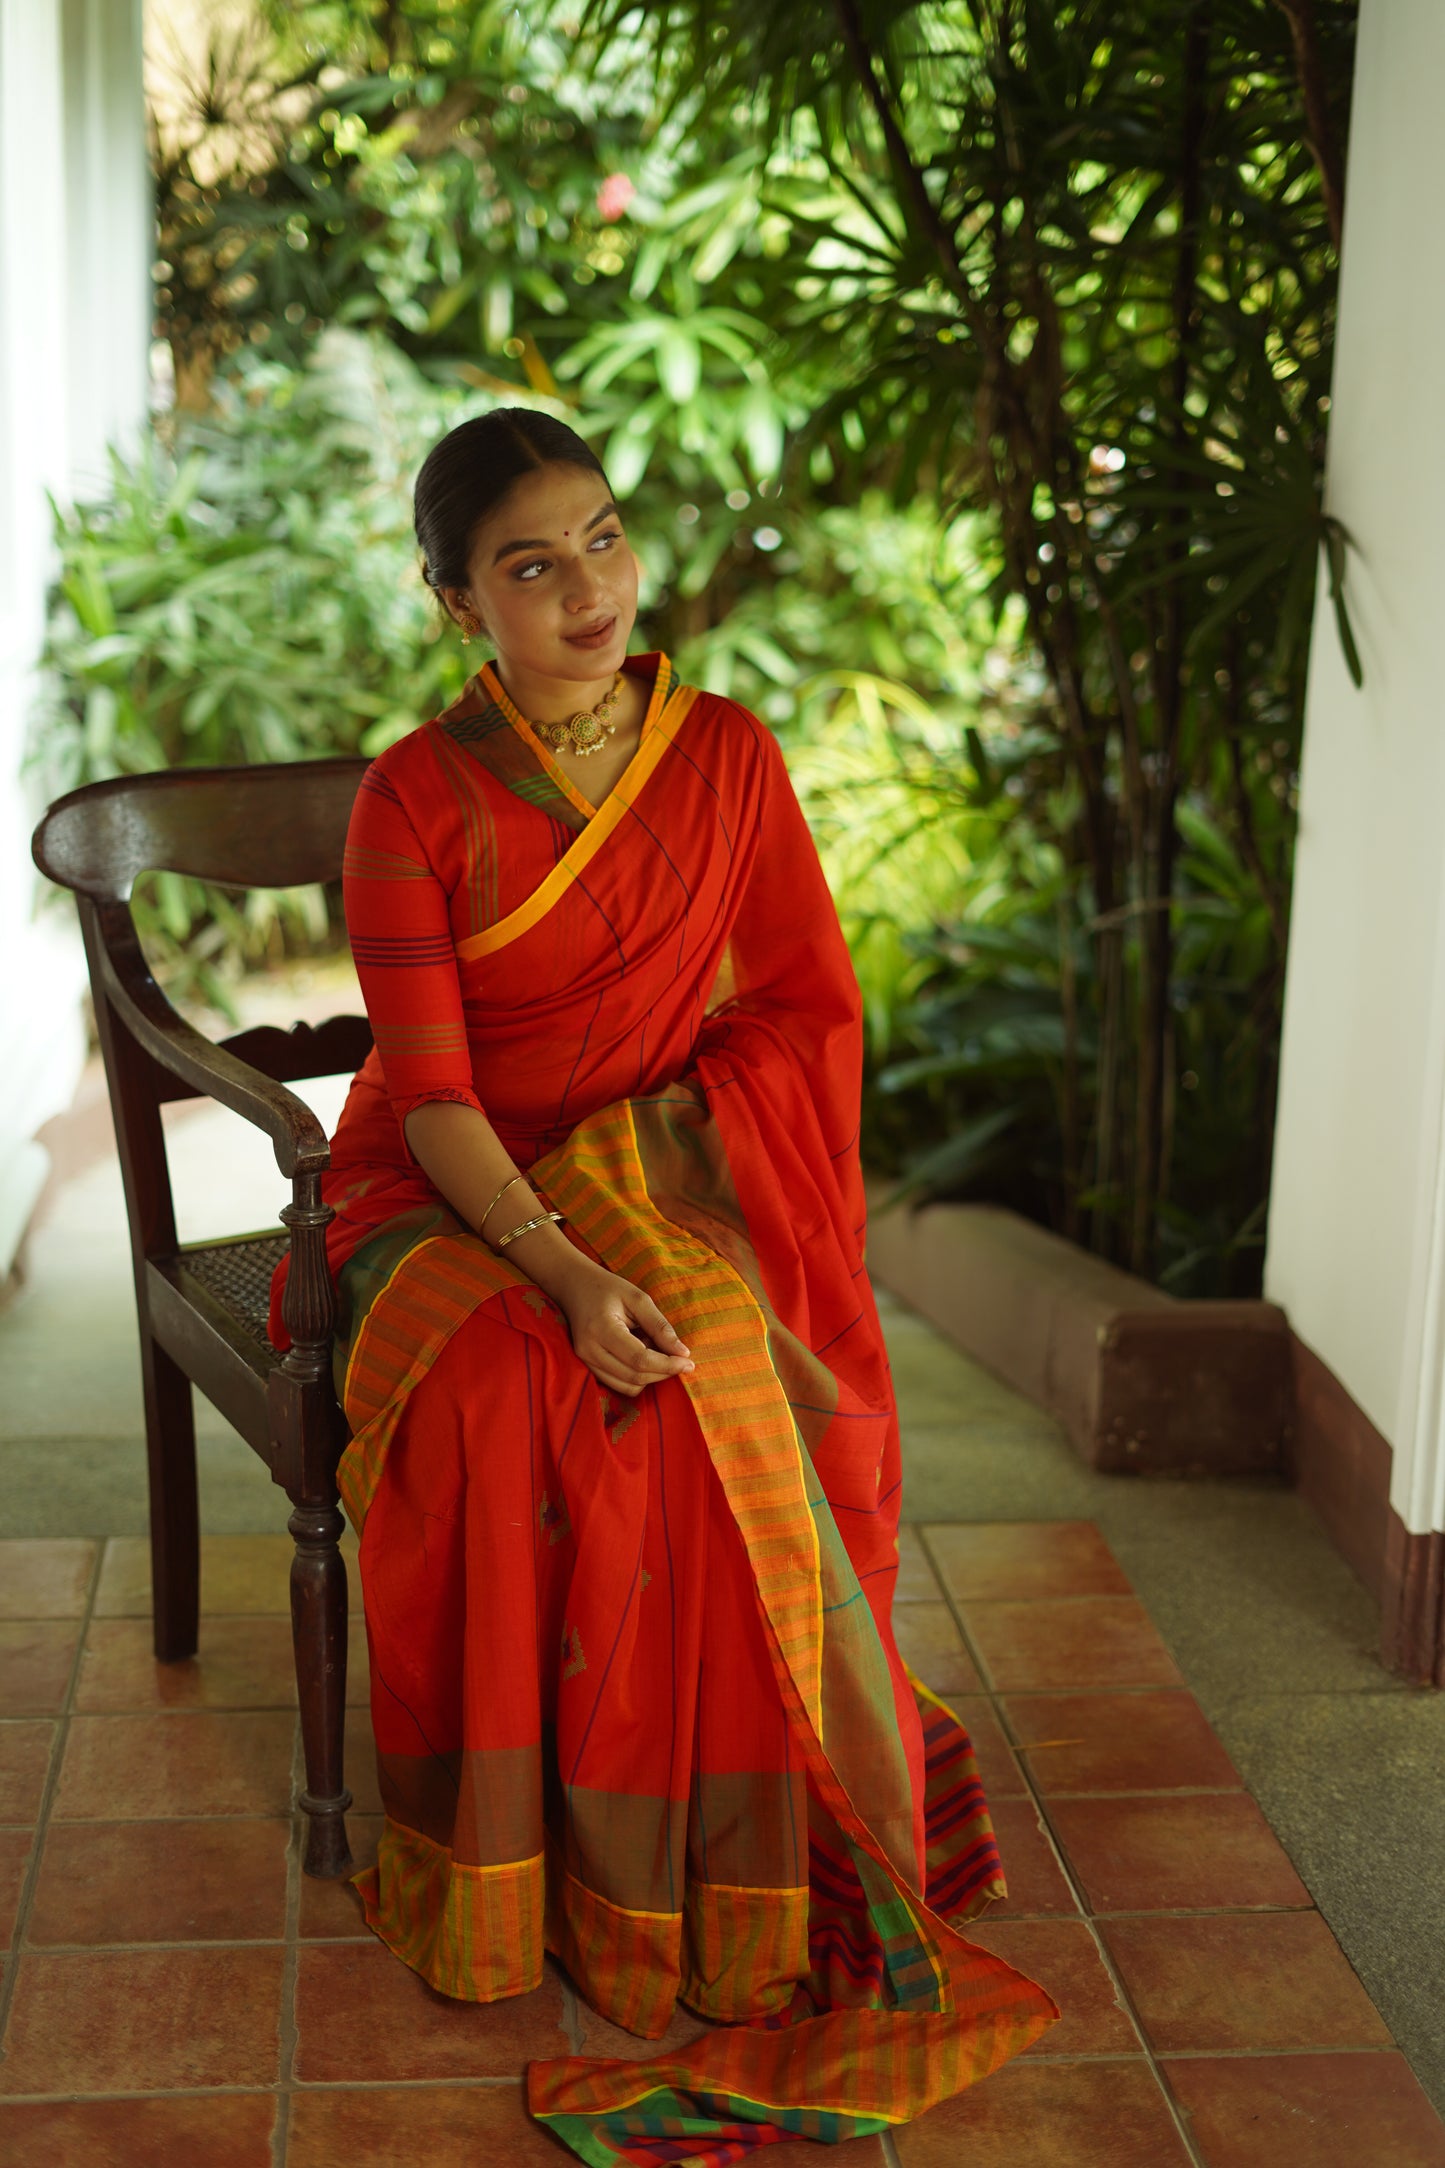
point(598, 637)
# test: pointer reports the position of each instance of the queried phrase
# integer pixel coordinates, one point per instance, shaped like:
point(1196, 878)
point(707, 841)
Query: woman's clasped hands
point(617, 1329)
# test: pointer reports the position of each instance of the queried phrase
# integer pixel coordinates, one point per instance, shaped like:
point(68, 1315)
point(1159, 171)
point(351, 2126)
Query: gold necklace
point(587, 732)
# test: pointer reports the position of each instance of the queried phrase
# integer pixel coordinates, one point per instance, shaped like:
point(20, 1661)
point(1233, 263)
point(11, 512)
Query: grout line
point(320, 2085)
point(1121, 1993)
point(286, 2061)
point(47, 1798)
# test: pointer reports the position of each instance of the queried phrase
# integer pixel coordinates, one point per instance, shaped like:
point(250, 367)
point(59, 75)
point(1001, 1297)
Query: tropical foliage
point(964, 367)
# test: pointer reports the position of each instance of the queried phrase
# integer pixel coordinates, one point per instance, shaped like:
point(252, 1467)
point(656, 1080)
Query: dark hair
point(467, 474)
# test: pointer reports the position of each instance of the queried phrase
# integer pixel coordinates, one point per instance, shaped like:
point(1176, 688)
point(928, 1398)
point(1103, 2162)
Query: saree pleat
point(636, 1696)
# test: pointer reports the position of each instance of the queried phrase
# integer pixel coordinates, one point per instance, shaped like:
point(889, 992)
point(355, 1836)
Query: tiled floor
point(178, 1993)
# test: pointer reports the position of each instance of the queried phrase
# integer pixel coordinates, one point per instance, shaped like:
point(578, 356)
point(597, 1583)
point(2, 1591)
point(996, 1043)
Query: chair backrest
point(261, 827)
point(266, 827)
point(272, 827)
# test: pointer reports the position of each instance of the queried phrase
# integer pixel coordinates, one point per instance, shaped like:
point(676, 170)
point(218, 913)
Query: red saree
point(634, 1685)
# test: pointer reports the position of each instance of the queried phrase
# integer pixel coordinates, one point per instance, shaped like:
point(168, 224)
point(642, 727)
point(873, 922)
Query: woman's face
point(552, 577)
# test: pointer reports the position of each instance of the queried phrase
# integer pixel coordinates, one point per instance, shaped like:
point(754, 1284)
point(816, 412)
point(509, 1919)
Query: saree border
point(659, 731)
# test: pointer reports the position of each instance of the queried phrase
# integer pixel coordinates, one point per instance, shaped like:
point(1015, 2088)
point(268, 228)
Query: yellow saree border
point(497, 692)
point(659, 730)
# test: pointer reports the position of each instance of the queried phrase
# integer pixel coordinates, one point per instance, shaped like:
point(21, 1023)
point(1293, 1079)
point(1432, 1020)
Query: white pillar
point(75, 255)
point(1357, 1210)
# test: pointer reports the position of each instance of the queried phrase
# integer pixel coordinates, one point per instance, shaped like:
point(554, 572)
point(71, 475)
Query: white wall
point(1356, 1247)
point(75, 299)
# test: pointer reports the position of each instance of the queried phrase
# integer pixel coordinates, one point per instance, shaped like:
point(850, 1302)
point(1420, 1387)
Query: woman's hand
point(618, 1331)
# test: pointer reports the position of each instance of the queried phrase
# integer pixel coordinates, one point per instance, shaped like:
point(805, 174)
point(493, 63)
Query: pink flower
point(614, 196)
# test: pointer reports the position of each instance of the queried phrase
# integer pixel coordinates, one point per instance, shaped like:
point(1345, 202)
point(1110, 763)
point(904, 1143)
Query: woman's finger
point(646, 1314)
point(625, 1349)
point(615, 1382)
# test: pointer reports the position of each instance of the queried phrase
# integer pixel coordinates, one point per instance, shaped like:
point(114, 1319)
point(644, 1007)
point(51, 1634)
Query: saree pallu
point(635, 1691)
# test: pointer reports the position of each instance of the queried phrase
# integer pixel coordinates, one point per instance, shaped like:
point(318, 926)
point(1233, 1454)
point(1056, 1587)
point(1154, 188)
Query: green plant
point(1073, 265)
point(248, 592)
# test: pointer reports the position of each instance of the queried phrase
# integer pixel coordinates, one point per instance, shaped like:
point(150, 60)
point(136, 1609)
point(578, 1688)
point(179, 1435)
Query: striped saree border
point(658, 735)
point(432, 1290)
point(474, 1933)
point(752, 1439)
point(844, 2074)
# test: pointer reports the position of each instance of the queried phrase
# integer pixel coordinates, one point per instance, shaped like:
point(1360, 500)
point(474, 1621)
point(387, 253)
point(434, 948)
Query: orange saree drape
point(635, 1690)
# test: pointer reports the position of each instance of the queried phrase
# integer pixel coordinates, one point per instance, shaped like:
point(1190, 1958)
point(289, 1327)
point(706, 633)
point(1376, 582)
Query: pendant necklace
point(585, 733)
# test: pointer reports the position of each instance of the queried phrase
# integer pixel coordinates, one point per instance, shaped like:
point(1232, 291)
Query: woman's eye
point(609, 535)
point(538, 564)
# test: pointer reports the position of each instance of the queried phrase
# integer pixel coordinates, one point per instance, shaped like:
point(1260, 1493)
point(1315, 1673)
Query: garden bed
point(1142, 1382)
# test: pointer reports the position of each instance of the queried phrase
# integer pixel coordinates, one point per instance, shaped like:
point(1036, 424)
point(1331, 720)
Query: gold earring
point(470, 626)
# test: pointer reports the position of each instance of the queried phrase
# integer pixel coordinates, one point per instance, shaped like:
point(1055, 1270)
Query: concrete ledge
point(1142, 1383)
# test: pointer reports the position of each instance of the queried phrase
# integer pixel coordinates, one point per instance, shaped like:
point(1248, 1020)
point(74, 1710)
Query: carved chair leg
point(174, 1515)
point(318, 1627)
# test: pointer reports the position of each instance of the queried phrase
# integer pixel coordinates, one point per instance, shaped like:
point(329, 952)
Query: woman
point(624, 1450)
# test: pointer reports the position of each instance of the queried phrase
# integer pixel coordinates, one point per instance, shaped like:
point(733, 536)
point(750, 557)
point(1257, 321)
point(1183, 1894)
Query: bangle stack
point(501, 1193)
point(526, 1228)
point(512, 1233)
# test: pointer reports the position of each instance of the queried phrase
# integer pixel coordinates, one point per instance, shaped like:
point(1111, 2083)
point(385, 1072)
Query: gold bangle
point(526, 1228)
point(501, 1193)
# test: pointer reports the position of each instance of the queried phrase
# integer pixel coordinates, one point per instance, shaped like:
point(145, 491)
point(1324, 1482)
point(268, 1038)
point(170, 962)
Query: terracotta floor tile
point(359, 2006)
point(931, 1645)
point(999, 1560)
point(140, 1767)
point(1094, 1641)
point(1049, 2115)
point(35, 1660)
point(997, 1764)
point(24, 1761)
point(1204, 1852)
point(239, 1574)
point(45, 1577)
point(1063, 1957)
point(246, 1573)
point(1243, 1981)
point(465, 2126)
point(1119, 1743)
point(87, 2023)
point(360, 1752)
point(221, 2130)
point(332, 1910)
point(15, 1847)
point(802, 2153)
point(1308, 2111)
point(916, 1583)
point(242, 1663)
point(1035, 1881)
point(106, 1882)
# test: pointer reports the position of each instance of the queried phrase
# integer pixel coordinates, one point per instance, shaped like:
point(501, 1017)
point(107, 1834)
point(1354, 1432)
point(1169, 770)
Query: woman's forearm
point(460, 1152)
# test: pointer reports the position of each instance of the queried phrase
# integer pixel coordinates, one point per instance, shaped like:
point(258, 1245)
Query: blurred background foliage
point(963, 369)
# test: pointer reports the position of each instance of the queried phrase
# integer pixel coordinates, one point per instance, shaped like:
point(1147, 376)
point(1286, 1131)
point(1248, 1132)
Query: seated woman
point(624, 1451)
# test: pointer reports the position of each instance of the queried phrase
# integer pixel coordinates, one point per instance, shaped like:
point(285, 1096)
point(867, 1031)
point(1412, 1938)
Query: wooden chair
point(202, 1307)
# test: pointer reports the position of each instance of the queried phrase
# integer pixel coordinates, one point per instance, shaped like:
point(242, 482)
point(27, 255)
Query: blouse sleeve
point(401, 941)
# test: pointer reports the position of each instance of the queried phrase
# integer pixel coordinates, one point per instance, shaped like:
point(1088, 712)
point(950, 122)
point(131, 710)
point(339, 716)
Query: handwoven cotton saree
point(635, 1691)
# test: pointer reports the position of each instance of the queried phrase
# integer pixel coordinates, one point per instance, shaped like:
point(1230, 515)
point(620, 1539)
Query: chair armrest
point(297, 1137)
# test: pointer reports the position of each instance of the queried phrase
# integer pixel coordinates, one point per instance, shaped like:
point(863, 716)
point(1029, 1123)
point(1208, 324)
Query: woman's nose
point(583, 586)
